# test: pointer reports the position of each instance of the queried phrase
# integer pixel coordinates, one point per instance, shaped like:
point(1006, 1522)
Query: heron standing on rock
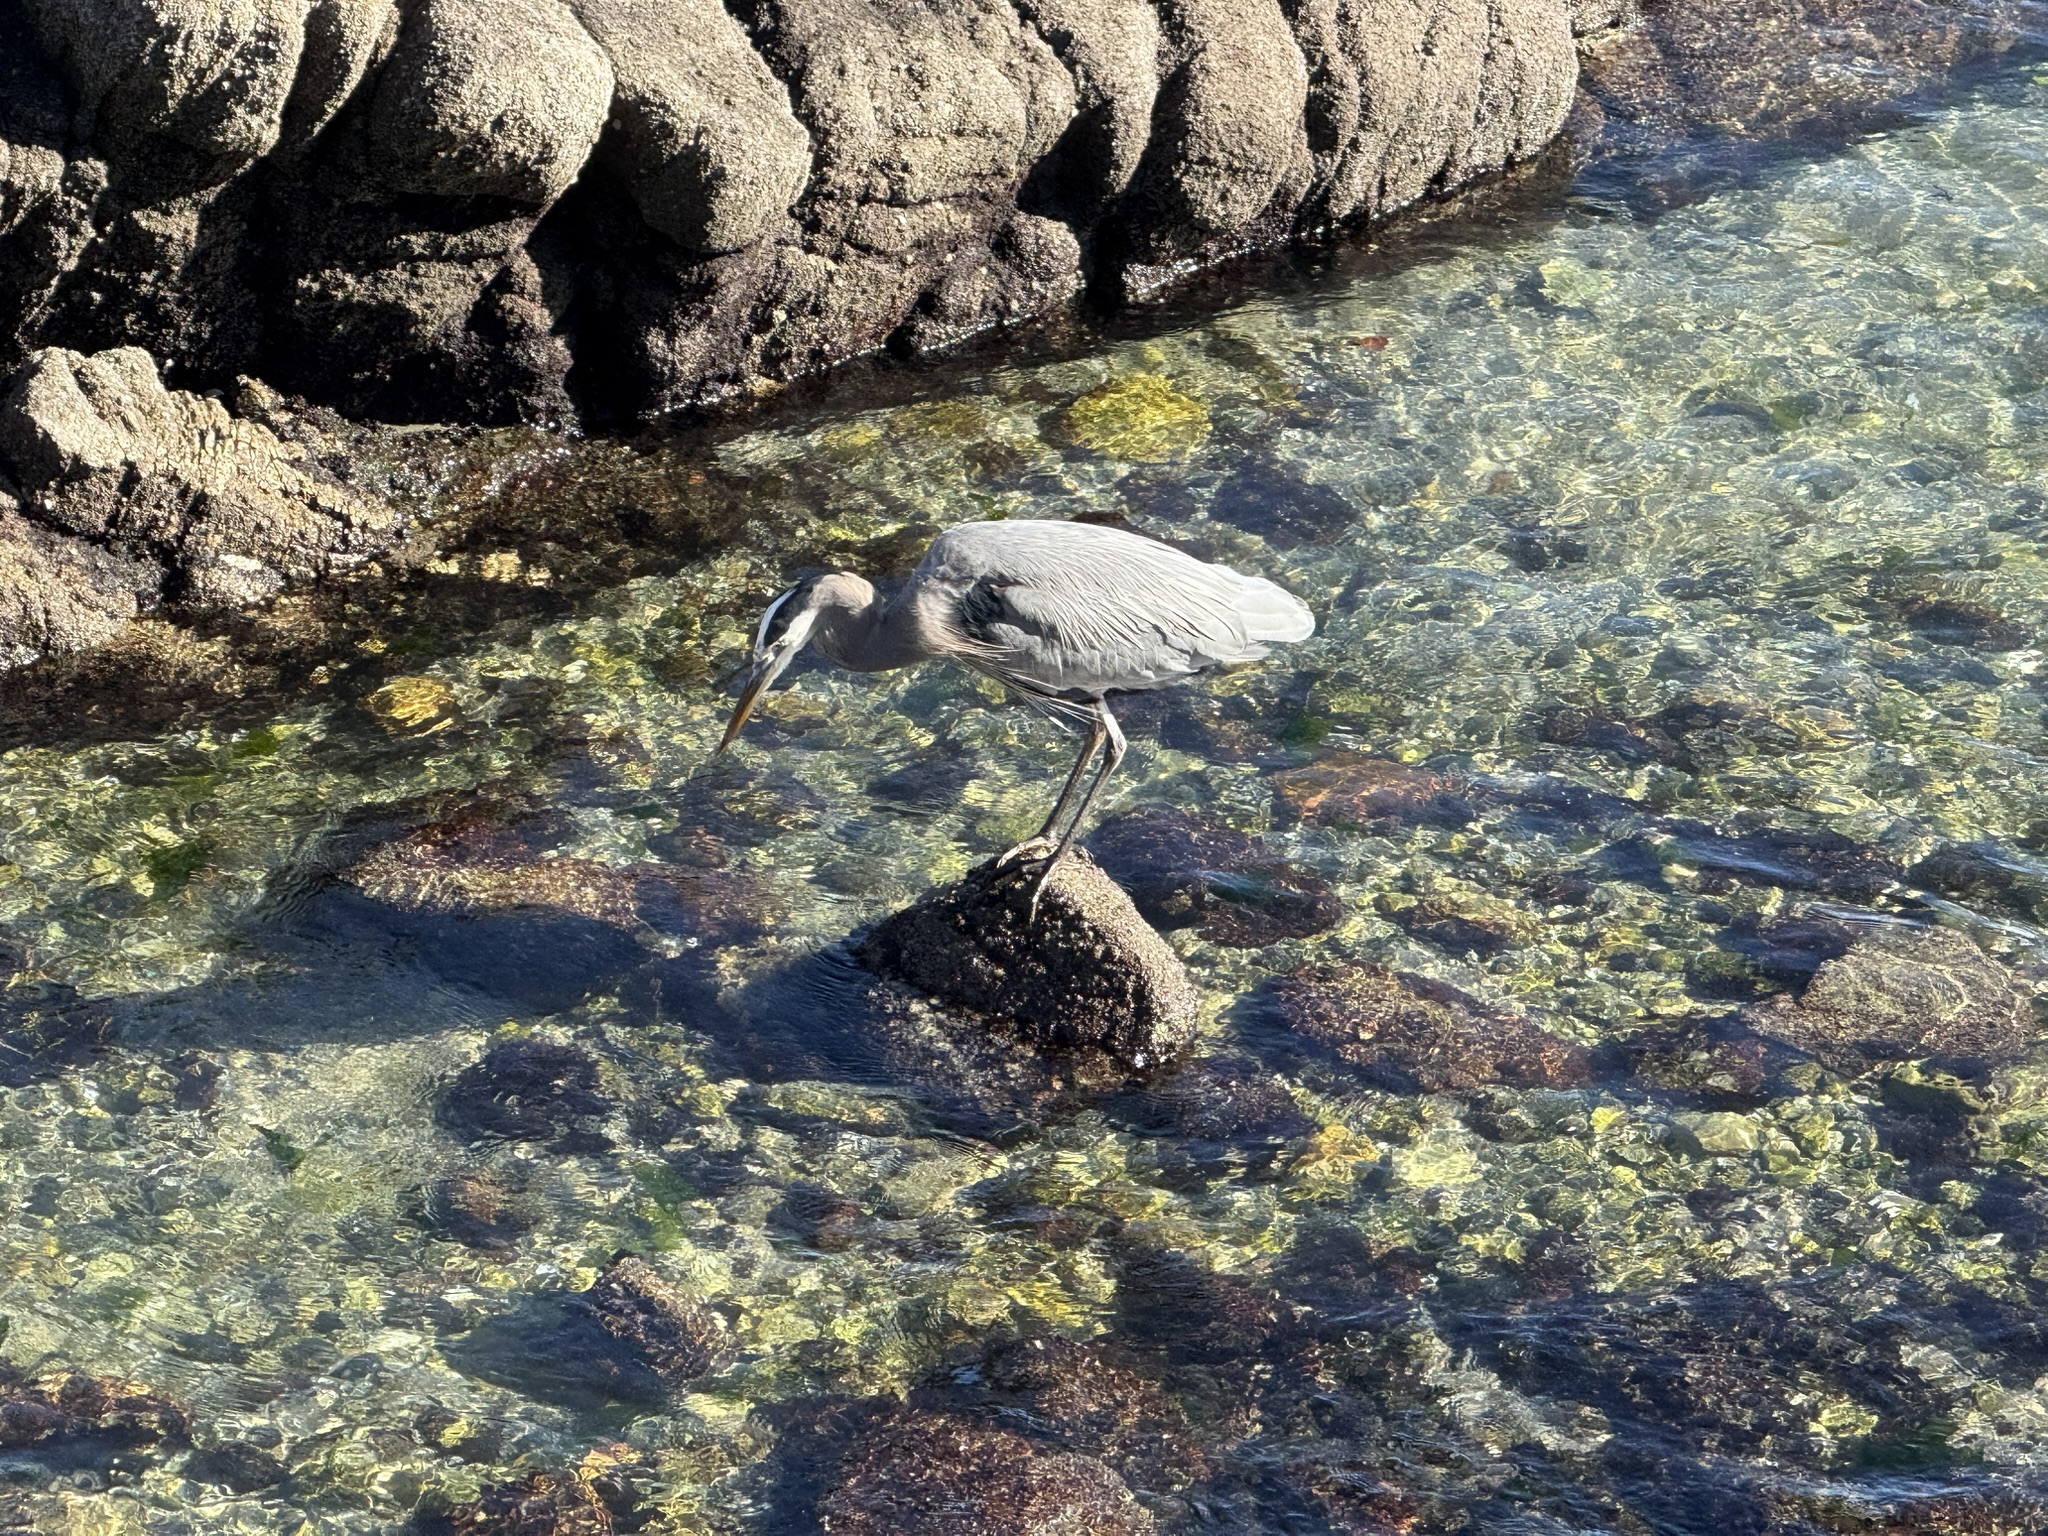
point(1061, 614)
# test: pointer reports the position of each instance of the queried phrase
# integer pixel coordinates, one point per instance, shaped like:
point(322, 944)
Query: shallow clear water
point(1663, 548)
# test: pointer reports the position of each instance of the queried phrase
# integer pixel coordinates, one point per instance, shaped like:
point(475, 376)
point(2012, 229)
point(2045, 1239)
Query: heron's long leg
point(1043, 839)
point(1107, 727)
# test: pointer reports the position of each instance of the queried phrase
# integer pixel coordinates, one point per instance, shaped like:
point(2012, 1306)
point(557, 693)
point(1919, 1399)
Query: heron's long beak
point(757, 684)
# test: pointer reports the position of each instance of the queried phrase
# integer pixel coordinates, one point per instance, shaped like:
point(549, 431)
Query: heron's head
point(789, 625)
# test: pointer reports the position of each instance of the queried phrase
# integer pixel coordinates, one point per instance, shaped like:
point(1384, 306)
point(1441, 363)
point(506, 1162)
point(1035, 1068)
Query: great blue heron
point(1061, 614)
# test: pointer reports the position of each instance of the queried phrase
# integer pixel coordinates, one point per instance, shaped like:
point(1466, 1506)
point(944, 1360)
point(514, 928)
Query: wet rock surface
point(131, 494)
point(1184, 871)
point(1088, 974)
point(1411, 1035)
point(73, 1421)
point(1899, 993)
point(941, 1475)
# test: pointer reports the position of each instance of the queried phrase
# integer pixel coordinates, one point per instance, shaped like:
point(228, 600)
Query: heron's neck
point(862, 631)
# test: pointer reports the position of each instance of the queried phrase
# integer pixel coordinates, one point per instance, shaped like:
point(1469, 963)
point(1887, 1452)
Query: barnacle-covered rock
point(1085, 974)
point(942, 1475)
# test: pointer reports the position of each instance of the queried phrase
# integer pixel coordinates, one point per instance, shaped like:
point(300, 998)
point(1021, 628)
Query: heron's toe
point(1031, 850)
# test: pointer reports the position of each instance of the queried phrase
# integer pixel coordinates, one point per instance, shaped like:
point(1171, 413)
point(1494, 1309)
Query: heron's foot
point(1033, 850)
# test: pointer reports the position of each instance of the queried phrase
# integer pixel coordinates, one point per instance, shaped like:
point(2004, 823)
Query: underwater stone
point(545, 1504)
point(1088, 974)
point(679, 1339)
point(1140, 418)
point(526, 1090)
point(476, 1210)
point(238, 1466)
point(82, 1419)
point(1188, 871)
point(1408, 1034)
point(1351, 789)
point(1094, 1398)
point(930, 1474)
point(1903, 993)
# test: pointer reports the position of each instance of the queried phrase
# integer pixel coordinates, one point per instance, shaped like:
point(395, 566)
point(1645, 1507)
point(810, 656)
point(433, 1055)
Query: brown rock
point(1411, 1035)
point(679, 1339)
point(85, 1417)
point(1187, 871)
point(1350, 789)
point(1087, 974)
point(1900, 994)
point(941, 1475)
point(103, 452)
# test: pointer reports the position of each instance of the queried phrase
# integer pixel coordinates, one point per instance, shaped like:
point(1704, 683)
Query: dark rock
point(919, 1474)
point(1094, 1398)
point(198, 1081)
point(822, 1218)
point(1350, 789)
point(1957, 621)
point(543, 1504)
point(1456, 926)
point(1903, 993)
point(1087, 974)
point(45, 1026)
point(476, 1210)
point(631, 1341)
point(526, 1090)
point(237, 1466)
point(1716, 1061)
point(679, 1339)
point(70, 1420)
point(1407, 1034)
point(1186, 871)
point(477, 865)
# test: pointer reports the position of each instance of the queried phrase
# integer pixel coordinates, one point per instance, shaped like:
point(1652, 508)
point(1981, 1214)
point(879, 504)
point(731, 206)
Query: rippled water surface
point(1682, 600)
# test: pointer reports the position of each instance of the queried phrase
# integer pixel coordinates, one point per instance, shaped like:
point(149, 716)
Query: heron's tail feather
point(1271, 613)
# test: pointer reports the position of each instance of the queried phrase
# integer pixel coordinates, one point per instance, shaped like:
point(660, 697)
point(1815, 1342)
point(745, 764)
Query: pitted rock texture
point(543, 209)
point(128, 493)
point(1086, 974)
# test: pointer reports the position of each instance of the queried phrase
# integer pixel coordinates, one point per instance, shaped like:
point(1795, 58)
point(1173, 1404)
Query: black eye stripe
point(781, 613)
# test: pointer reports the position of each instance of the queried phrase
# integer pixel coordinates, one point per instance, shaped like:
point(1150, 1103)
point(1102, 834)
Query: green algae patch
point(1140, 418)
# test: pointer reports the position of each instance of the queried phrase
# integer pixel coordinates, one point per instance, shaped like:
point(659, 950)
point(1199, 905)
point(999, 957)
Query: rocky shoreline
point(502, 210)
point(521, 211)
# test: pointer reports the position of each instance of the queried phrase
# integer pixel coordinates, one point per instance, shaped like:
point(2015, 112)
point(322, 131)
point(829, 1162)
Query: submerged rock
point(75, 1420)
point(931, 1474)
point(1087, 974)
point(1186, 871)
point(476, 1210)
point(679, 1339)
point(1411, 1035)
point(1902, 993)
point(1373, 794)
point(527, 1090)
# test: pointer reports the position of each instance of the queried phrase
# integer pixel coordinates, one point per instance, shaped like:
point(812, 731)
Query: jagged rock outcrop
point(129, 493)
point(500, 209)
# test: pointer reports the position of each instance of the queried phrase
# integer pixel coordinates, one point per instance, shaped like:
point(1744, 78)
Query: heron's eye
point(776, 621)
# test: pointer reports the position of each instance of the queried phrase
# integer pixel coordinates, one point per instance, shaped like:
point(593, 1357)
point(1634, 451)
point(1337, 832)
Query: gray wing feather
point(1075, 608)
